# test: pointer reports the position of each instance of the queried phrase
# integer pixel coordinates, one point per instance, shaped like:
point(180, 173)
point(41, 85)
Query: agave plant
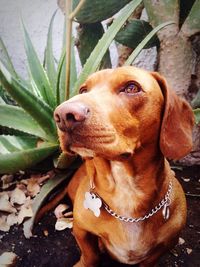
point(36, 137)
point(30, 129)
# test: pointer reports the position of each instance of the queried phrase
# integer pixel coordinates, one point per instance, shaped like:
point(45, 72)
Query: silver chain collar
point(164, 203)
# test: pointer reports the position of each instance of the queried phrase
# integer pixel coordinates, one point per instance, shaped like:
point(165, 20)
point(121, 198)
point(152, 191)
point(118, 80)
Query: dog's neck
point(132, 185)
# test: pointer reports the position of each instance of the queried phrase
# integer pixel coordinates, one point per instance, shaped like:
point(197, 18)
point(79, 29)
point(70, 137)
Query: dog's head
point(120, 110)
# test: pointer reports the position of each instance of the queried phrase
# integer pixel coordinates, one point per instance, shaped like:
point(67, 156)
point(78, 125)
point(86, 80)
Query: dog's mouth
point(89, 144)
point(81, 140)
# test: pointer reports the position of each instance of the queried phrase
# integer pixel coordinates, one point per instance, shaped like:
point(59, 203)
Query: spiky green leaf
point(19, 153)
point(37, 71)
point(5, 58)
point(50, 62)
point(38, 109)
point(16, 118)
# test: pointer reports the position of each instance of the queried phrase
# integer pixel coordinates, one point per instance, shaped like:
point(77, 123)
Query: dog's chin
point(83, 152)
point(110, 154)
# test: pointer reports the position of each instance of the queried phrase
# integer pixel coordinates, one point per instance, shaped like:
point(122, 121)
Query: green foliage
point(97, 11)
point(197, 115)
point(37, 97)
point(34, 135)
point(88, 37)
point(139, 29)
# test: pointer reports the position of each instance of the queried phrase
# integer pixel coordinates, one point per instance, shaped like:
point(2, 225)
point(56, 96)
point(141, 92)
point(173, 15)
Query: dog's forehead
point(121, 75)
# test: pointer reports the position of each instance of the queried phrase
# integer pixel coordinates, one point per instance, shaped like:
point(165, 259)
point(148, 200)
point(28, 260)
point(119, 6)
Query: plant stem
point(77, 9)
point(68, 8)
point(69, 19)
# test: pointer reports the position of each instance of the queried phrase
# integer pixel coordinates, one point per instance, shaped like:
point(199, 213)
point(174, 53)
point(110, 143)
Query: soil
point(50, 248)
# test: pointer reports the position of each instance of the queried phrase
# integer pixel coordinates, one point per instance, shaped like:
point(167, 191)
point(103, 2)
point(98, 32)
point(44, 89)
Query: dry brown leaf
point(181, 241)
point(188, 250)
point(25, 211)
point(5, 205)
point(17, 196)
point(60, 209)
point(12, 219)
point(33, 187)
point(8, 259)
point(63, 223)
point(7, 181)
point(45, 232)
point(3, 224)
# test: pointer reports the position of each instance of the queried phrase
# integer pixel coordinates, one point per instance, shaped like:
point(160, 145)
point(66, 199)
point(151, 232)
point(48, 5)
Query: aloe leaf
point(37, 71)
point(61, 77)
point(197, 115)
point(21, 159)
point(2, 101)
point(6, 58)
point(16, 118)
point(49, 57)
point(73, 72)
point(60, 83)
point(34, 106)
point(41, 197)
point(139, 48)
point(97, 54)
point(63, 160)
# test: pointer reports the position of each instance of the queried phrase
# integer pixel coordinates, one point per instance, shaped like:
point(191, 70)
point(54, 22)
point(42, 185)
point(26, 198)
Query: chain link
point(165, 201)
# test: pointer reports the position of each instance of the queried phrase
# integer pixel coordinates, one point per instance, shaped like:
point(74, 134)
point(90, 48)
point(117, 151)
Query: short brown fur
point(124, 140)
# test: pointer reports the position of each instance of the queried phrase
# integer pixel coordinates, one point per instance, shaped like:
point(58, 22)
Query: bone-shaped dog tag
point(93, 203)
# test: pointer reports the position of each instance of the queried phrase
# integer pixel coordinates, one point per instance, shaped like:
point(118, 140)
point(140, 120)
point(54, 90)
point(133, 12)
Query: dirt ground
point(50, 248)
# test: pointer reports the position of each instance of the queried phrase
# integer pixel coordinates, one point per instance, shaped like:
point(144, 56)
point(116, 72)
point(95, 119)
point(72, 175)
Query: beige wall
point(36, 15)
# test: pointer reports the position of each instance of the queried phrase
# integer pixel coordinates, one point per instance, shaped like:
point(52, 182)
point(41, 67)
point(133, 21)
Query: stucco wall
point(36, 16)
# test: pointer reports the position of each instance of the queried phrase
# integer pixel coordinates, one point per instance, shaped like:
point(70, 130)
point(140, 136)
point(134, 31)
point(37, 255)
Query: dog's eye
point(83, 90)
point(131, 88)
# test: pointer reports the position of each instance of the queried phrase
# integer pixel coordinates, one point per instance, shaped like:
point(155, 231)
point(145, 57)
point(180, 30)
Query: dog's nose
point(68, 115)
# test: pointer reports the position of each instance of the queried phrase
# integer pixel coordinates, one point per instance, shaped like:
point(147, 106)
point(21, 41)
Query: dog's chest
point(129, 244)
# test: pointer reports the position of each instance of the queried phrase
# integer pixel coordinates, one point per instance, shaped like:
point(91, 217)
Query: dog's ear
point(177, 123)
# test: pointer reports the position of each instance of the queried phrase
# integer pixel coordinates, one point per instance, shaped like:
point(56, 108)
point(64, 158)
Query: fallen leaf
point(7, 181)
point(12, 219)
point(17, 196)
point(3, 224)
point(63, 223)
point(8, 259)
point(174, 252)
point(186, 180)
point(46, 233)
point(181, 241)
point(60, 209)
point(5, 205)
point(33, 187)
point(25, 211)
point(188, 250)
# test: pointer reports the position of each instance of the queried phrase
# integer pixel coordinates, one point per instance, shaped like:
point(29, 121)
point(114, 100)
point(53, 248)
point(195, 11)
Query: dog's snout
point(68, 115)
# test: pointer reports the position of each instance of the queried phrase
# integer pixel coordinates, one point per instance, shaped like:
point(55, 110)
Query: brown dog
point(124, 123)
